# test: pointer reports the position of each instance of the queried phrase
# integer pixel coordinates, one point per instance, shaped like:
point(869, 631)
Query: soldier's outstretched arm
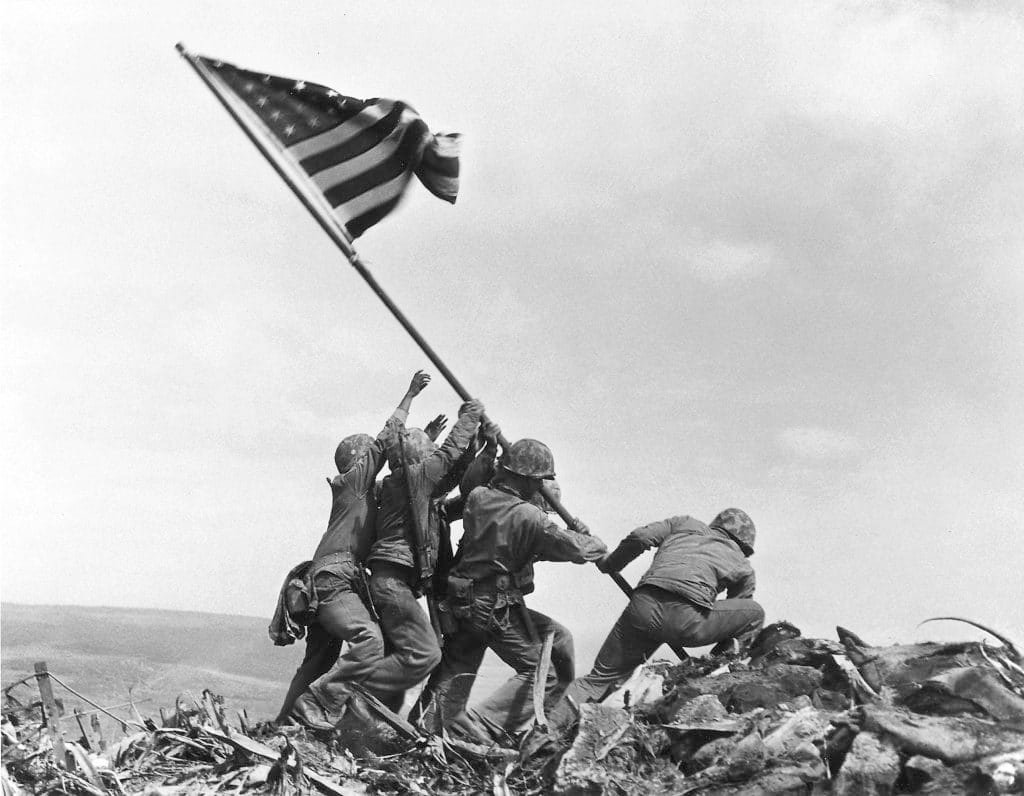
point(554, 543)
point(365, 472)
point(420, 380)
point(462, 435)
point(638, 540)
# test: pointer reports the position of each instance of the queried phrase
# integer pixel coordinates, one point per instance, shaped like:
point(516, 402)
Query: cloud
point(721, 260)
point(811, 442)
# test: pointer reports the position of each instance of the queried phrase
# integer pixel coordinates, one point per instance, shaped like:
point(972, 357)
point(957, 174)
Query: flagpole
point(337, 233)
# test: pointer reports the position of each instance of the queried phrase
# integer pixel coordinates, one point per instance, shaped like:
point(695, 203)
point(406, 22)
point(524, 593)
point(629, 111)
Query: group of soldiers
point(398, 529)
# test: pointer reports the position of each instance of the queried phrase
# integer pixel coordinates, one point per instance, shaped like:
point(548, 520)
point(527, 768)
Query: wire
point(84, 698)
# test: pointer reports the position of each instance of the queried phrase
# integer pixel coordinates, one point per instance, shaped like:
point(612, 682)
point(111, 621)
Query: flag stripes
point(358, 155)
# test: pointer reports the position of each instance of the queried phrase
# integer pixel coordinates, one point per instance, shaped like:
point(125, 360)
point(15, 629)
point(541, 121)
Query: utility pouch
point(297, 600)
point(446, 618)
point(460, 596)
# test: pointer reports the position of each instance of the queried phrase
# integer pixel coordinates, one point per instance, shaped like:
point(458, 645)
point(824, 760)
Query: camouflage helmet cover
point(530, 458)
point(739, 526)
point(417, 445)
point(350, 450)
point(539, 501)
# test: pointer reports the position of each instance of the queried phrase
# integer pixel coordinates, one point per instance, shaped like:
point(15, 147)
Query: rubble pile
point(800, 715)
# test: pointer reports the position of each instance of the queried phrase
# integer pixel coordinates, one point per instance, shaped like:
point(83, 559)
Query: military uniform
point(395, 580)
point(503, 535)
point(337, 581)
point(674, 603)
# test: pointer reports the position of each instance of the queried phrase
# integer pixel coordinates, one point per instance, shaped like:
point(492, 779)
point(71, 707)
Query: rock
point(584, 769)
point(920, 771)
point(952, 739)
point(1005, 772)
point(643, 687)
point(778, 683)
point(903, 667)
point(712, 753)
point(965, 690)
point(799, 731)
point(706, 713)
point(871, 768)
point(747, 758)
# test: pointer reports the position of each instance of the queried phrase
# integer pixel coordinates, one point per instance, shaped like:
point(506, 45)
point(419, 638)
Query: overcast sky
point(753, 255)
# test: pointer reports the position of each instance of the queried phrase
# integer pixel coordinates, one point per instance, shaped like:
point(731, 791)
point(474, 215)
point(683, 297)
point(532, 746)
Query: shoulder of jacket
point(684, 523)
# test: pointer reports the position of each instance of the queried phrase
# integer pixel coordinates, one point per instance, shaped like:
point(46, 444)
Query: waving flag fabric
point(359, 155)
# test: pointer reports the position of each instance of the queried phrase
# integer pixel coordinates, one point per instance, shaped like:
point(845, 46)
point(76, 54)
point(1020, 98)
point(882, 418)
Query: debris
point(872, 767)
point(804, 716)
point(540, 680)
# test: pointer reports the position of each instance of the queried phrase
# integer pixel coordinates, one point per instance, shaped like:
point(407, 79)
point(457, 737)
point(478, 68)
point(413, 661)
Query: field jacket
point(431, 480)
point(502, 534)
point(692, 560)
point(350, 527)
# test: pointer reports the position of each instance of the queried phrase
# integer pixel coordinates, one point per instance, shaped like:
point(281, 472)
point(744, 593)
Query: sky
point(755, 255)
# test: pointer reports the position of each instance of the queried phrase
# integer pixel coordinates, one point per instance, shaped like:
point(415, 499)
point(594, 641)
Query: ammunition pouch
point(461, 594)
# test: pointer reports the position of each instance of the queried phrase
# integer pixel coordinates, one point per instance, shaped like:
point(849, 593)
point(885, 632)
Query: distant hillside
point(102, 652)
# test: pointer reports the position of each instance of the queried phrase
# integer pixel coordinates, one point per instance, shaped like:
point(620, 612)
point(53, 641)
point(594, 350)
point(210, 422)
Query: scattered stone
point(582, 770)
point(920, 772)
point(871, 768)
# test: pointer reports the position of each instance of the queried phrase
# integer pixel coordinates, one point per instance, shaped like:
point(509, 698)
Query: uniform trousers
point(495, 623)
point(341, 616)
point(652, 618)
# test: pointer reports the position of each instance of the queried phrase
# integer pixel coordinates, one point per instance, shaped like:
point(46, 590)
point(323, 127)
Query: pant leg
point(512, 704)
point(447, 691)
point(690, 626)
point(322, 651)
point(632, 640)
point(413, 651)
point(345, 616)
point(562, 662)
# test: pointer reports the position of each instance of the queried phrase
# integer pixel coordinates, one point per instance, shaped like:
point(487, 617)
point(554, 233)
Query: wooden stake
point(86, 738)
point(52, 714)
point(95, 722)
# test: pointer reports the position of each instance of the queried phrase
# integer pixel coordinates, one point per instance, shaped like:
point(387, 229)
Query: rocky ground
point(800, 715)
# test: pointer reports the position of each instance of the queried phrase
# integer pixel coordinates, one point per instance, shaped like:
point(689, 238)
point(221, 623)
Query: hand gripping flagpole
point(319, 209)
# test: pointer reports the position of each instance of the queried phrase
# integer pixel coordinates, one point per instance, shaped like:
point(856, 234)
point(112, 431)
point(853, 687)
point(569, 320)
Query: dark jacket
point(503, 535)
point(431, 479)
point(693, 560)
point(350, 528)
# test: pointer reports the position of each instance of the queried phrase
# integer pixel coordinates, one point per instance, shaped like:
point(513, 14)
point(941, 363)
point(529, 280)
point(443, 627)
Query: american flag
point(358, 154)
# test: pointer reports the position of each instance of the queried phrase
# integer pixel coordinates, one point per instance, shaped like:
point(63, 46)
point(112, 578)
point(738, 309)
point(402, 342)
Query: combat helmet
point(350, 450)
point(739, 526)
point(530, 458)
point(417, 448)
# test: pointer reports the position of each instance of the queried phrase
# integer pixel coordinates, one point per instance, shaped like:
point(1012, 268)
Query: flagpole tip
point(180, 47)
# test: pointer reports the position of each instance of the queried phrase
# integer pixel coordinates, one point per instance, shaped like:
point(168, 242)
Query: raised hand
point(419, 381)
point(435, 427)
